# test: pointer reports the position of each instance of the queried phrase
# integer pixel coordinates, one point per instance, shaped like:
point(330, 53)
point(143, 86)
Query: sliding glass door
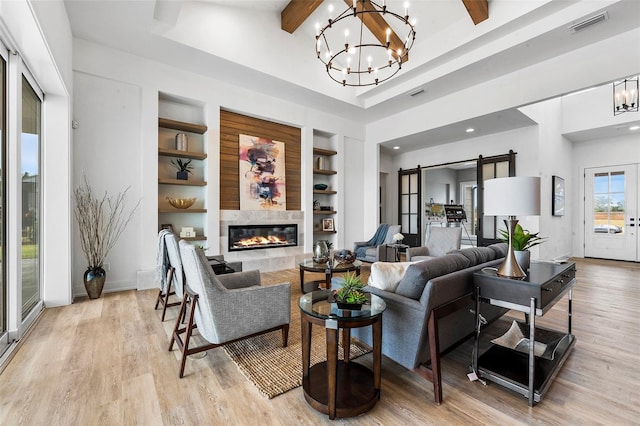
point(4, 339)
point(30, 209)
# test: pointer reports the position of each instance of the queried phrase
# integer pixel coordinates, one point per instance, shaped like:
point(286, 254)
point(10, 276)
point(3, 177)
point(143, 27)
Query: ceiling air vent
point(416, 92)
point(588, 22)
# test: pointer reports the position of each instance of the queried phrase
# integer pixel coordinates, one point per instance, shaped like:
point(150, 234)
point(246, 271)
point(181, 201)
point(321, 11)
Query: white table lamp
point(512, 196)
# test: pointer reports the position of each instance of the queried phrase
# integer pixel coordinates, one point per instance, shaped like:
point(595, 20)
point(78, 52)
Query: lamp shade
point(512, 196)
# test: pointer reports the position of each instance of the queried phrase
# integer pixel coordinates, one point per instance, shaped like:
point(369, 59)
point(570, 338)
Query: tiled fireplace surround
point(265, 260)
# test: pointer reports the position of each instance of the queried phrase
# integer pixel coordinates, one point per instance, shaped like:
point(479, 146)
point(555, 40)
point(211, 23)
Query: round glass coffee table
point(333, 267)
point(340, 388)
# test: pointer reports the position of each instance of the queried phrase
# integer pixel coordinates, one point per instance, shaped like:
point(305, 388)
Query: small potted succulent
point(351, 295)
point(184, 168)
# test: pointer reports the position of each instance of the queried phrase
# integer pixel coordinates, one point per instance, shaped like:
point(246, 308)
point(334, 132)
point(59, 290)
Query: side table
point(340, 388)
point(520, 369)
point(396, 248)
point(309, 265)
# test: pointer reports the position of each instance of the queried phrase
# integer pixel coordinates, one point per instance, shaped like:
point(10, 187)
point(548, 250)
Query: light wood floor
point(106, 362)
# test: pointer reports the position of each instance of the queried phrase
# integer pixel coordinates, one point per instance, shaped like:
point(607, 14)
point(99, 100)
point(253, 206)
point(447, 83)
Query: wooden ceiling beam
point(376, 23)
point(478, 10)
point(295, 13)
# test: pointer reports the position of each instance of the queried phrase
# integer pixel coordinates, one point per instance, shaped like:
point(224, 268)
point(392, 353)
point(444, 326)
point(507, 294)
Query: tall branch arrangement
point(101, 221)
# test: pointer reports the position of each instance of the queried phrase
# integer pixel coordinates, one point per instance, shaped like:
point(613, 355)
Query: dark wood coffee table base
point(340, 388)
point(355, 390)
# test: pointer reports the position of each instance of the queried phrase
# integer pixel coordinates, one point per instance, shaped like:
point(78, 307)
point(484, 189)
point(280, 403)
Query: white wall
point(353, 229)
point(108, 153)
point(555, 153)
point(114, 70)
point(575, 117)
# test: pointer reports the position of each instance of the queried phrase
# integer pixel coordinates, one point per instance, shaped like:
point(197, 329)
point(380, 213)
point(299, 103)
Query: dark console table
point(520, 369)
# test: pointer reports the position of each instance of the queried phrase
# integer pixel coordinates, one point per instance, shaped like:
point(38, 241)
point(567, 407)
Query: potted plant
point(184, 168)
point(521, 242)
point(351, 295)
point(101, 221)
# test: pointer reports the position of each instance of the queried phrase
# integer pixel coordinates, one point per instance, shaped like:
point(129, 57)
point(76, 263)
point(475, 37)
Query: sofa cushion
point(417, 275)
point(500, 249)
point(387, 275)
point(477, 255)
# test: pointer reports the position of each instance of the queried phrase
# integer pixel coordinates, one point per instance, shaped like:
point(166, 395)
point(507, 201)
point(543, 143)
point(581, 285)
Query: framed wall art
point(327, 225)
point(557, 197)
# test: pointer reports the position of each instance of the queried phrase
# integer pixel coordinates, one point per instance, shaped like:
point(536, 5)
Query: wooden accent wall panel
point(231, 126)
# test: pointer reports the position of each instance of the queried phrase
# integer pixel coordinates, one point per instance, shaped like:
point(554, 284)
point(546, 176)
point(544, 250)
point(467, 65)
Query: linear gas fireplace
point(249, 237)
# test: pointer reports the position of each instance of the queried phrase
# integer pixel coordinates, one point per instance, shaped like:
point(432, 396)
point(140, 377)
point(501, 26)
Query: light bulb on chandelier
point(362, 58)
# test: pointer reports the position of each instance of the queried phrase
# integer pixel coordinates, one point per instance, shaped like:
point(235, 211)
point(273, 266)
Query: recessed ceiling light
point(635, 127)
point(396, 147)
point(470, 130)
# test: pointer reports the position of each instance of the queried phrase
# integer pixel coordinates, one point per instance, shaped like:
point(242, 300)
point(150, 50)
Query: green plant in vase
point(351, 292)
point(521, 241)
point(184, 168)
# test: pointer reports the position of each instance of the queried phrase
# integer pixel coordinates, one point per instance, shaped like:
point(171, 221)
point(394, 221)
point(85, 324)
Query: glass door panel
point(409, 206)
point(490, 168)
point(30, 210)
point(3, 249)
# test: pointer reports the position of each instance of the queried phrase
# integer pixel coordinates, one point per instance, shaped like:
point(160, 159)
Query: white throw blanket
point(162, 261)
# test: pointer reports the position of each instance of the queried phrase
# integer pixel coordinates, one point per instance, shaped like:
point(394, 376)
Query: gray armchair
point(369, 251)
point(227, 308)
point(440, 242)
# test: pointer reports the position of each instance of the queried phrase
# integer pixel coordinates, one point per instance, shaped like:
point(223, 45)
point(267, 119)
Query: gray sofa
point(432, 310)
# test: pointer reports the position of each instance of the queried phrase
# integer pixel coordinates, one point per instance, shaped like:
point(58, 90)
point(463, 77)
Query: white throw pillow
point(387, 275)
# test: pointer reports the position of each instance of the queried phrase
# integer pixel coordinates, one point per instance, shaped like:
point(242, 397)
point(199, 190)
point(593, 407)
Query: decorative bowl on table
point(181, 203)
point(344, 256)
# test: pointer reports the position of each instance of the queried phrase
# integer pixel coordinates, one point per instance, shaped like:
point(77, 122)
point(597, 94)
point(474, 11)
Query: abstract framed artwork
point(557, 198)
point(262, 174)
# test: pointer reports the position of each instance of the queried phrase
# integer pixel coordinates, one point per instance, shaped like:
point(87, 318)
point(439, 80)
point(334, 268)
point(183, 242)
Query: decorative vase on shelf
point(181, 142)
point(94, 278)
point(182, 175)
point(523, 258)
point(320, 251)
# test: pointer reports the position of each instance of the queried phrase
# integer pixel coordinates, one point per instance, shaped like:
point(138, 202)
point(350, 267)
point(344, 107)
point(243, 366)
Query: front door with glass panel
point(611, 212)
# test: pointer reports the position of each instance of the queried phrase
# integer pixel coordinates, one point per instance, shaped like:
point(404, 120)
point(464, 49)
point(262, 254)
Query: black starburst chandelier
point(366, 44)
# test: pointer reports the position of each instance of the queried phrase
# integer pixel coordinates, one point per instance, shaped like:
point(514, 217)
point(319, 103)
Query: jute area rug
point(275, 370)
